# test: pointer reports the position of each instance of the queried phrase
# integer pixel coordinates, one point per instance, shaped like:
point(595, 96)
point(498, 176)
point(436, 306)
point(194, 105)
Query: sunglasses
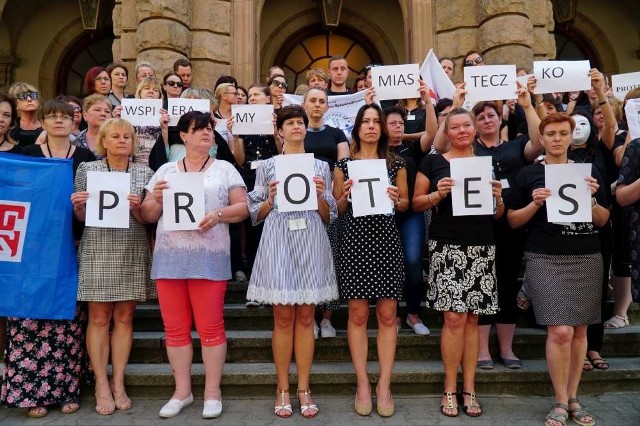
point(472, 62)
point(24, 95)
point(281, 84)
point(77, 109)
point(174, 83)
point(368, 67)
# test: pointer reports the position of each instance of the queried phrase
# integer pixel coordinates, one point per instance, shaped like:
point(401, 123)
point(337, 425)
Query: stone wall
point(504, 31)
point(161, 31)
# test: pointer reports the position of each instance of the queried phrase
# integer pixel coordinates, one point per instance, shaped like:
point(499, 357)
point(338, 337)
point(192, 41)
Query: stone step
point(238, 317)
point(255, 346)
point(409, 377)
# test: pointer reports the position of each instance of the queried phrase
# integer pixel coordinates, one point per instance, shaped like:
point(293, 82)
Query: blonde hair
point(91, 100)
point(149, 82)
point(223, 88)
point(20, 87)
point(317, 72)
point(107, 127)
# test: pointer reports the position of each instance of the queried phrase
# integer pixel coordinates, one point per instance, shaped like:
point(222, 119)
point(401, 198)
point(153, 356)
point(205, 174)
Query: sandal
point(523, 301)
point(579, 414)
point(556, 416)
point(312, 408)
point(449, 406)
point(598, 363)
point(286, 408)
point(122, 400)
point(37, 412)
point(616, 321)
point(587, 366)
point(105, 409)
point(69, 407)
point(472, 404)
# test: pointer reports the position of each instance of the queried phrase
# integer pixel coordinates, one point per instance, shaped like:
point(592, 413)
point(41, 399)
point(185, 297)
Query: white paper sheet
point(471, 194)
point(570, 199)
point(369, 190)
point(296, 189)
point(183, 201)
point(108, 206)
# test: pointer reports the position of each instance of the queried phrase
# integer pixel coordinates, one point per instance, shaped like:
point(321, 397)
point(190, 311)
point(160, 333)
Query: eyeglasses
point(102, 79)
point(174, 83)
point(77, 109)
point(368, 67)
point(231, 93)
point(24, 95)
point(282, 84)
point(56, 117)
point(472, 62)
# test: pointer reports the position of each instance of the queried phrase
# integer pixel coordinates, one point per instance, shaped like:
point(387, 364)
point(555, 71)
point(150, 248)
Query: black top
point(553, 238)
point(449, 229)
point(507, 159)
point(416, 120)
point(332, 93)
point(25, 137)
point(256, 148)
point(15, 149)
point(323, 143)
point(599, 155)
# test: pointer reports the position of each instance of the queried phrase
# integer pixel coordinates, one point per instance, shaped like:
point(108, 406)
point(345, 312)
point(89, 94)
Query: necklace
point(109, 167)
point(184, 165)
point(66, 155)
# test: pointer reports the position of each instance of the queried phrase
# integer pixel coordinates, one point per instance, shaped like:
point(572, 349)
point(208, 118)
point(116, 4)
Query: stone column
point(6, 67)
point(211, 47)
point(504, 31)
point(244, 42)
point(421, 30)
point(156, 31)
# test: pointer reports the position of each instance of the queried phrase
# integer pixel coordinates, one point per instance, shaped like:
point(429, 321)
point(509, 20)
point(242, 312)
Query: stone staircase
point(249, 370)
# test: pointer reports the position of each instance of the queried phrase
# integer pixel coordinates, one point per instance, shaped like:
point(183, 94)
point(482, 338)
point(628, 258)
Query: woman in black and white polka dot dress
point(369, 257)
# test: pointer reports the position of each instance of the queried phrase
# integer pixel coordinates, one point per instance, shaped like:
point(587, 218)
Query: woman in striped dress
point(293, 270)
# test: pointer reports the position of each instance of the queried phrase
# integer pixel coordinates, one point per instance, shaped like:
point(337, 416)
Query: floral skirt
point(44, 361)
point(462, 278)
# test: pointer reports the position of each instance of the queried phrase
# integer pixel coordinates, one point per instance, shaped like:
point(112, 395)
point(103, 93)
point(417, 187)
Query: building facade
point(52, 44)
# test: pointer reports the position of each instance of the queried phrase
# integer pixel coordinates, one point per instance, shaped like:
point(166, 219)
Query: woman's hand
point(134, 202)
point(459, 96)
point(593, 184)
point(369, 95)
point(346, 189)
point(424, 92)
point(444, 186)
point(597, 80)
point(230, 124)
point(540, 195)
point(160, 186)
point(394, 194)
point(79, 199)
point(164, 118)
point(524, 97)
point(209, 221)
point(273, 188)
point(320, 186)
point(117, 111)
point(496, 189)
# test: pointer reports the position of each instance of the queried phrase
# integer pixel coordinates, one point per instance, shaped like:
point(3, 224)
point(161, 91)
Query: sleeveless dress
point(369, 252)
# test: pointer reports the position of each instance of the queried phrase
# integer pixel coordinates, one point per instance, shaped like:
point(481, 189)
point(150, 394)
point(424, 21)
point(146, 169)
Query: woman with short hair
point(191, 268)
point(96, 109)
point(563, 269)
point(119, 79)
point(304, 275)
point(8, 119)
point(97, 80)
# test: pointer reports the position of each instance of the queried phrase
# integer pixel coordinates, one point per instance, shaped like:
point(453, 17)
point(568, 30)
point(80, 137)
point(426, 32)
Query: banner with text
point(252, 119)
point(490, 82)
point(141, 112)
point(177, 107)
point(561, 76)
point(621, 84)
point(396, 81)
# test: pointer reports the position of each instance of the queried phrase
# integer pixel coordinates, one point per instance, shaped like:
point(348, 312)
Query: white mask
point(582, 131)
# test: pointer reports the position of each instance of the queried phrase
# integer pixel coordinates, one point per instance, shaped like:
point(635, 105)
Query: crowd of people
point(466, 267)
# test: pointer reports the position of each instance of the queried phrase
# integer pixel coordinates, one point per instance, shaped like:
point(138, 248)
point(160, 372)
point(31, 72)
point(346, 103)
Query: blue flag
point(38, 267)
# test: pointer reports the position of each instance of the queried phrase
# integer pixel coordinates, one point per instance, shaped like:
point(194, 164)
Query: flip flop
point(587, 366)
point(598, 363)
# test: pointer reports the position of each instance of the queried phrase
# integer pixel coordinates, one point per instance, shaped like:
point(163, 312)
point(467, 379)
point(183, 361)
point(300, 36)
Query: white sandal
point(288, 412)
point(305, 408)
point(616, 321)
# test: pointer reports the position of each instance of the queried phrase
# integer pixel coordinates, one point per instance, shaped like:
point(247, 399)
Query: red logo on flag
point(14, 216)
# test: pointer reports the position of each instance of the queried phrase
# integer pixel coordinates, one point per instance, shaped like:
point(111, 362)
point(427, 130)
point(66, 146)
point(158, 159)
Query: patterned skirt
point(462, 278)
point(565, 290)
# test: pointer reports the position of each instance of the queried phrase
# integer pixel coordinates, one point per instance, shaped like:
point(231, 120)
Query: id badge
point(411, 117)
point(505, 183)
point(297, 224)
point(255, 164)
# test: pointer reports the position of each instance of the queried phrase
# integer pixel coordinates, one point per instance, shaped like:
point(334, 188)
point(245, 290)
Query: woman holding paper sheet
point(191, 268)
point(462, 275)
point(113, 266)
point(293, 269)
point(45, 358)
point(564, 268)
point(369, 259)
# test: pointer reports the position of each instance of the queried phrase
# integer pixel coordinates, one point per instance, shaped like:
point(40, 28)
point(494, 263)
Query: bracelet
point(500, 202)
point(219, 216)
point(429, 195)
point(594, 203)
point(600, 103)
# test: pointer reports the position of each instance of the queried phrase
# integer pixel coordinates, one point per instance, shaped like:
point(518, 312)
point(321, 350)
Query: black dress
point(369, 253)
